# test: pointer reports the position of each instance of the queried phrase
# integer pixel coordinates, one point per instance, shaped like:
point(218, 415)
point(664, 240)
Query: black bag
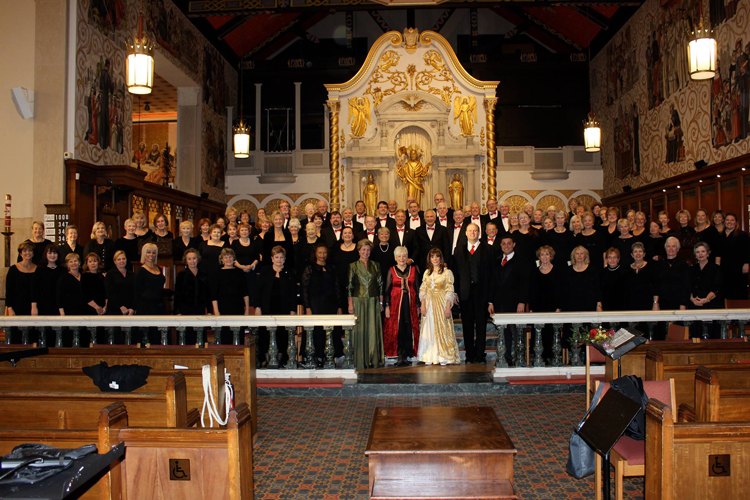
point(117, 378)
point(632, 387)
point(31, 463)
point(582, 458)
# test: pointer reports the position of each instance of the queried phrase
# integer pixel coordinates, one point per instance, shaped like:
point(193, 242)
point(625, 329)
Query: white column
point(297, 116)
point(326, 127)
point(258, 114)
point(189, 136)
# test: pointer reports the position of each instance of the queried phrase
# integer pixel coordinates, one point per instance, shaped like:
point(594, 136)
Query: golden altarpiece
point(413, 118)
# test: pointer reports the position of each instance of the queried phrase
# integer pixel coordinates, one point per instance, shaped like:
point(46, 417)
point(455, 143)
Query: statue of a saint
point(411, 171)
point(465, 112)
point(359, 115)
point(370, 195)
point(456, 192)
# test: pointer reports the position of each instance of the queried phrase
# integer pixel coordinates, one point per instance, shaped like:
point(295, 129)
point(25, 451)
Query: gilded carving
point(359, 115)
point(550, 200)
point(465, 113)
point(436, 71)
point(411, 39)
point(516, 203)
point(412, 102)
point(386, 75)
point(481, 137)
point(533, 193)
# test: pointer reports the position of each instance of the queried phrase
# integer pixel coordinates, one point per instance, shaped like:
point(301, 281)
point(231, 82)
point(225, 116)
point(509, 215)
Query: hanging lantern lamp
point(139, 65)
point(702, 52)
point(592, 134)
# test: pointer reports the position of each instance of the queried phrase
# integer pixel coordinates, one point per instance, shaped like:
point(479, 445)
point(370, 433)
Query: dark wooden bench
point(80, 410)
point(681, 457)
point(720, 395)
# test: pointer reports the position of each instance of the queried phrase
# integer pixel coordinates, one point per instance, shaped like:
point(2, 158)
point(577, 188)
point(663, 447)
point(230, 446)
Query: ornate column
point(334, 107)
point(489, 108)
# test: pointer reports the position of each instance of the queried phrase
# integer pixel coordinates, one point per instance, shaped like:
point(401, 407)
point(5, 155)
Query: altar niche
point(412, 117)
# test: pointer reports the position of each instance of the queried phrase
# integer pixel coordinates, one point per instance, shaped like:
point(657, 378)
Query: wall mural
point(104, 128)
point(656, 122)
point(154, 153)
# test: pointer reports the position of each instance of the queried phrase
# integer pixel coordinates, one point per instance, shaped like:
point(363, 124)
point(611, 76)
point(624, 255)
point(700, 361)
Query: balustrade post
point(704, 329)
point(651, 327)
point(128, 336)
point(181, 335)
point(217, 336)
point(164, 334)
point(329, 363)
point(291, 348)
point(310, 361)
point(144, 337)
point(521, 346)
point(58, 336)
point(348, 354)
point(77, 336)
point(556, 345)
point(25, 335)
point(93, 332)
point(7, 335)
point(741, 329)
point(42, 337)
point(724, 334)
point(500, 350)
point(273, 349)
point(199, 337)
point(538, 361)
point(110, 335)
point(256, 335)
point(236, 336)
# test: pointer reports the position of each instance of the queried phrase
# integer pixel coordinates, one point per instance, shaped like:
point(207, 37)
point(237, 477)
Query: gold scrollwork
point(385, 74)
point(436, 71)
point(481, 137)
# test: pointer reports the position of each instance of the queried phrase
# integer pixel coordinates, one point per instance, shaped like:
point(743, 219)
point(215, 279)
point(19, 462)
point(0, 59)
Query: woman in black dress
point(624, 243)
point(38, 241)
point(683, 220)
point(593, 240)
point(640, 231)
point(92, 283)
point(262, 226)
point(582, 287)
point(673, 281)
point(247, 261)
point(345, 253)
point(277, 293)
point(717, 218)
point(161, 229)
point(149, 284)
point(210, 251)
point(320, 295)
point(229, 295)
point(382, 252)
point(100, 245)
point(610, 232)
point(277, 235)
point(705, 288)
point(184, 241)
point(664, 227)
point(233, 233)
point(547, 291)
point(69, 290)
point(204, 226)
point(735, 259)
point(526, 239)
point(640, 281)
point(654, 243)
point(118, 285)
point(705, 231)
point(142, 231)
point(191, 292)
point(18, 285)
point(304, 250)
point(70, 245)
point(44, 284)
point(612, 281)
point(128, 244)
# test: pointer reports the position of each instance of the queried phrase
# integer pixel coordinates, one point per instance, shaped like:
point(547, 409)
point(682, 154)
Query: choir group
point(402, 272)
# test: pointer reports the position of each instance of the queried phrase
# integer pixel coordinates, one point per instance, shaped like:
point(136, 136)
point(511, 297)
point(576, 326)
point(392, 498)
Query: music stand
point(605, 425)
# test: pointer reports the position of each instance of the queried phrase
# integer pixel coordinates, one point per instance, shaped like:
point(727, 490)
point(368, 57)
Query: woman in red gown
point(401, 301)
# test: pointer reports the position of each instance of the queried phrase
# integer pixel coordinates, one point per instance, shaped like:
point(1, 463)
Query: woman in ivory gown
point(437, 341)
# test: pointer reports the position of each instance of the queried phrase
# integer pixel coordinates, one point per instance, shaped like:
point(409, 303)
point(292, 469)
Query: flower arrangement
point(598, 336)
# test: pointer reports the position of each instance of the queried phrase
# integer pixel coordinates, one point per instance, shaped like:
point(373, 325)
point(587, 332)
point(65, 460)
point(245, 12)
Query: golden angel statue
point(465, 112)
point(359, 115)
point(456, 192)
point(411, 171)
point(370, 195)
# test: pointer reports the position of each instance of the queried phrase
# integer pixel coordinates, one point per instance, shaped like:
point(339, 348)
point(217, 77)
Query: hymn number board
point(55, 222)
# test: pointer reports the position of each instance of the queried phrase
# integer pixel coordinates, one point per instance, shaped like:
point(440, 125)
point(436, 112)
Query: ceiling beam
point(515, 17)
point(224, 30)
point(297, 28)
point(593, 16)
point(552, 31)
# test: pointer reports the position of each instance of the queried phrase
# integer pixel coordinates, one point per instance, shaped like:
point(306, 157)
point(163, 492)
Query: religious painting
point(722, 10)
point(153, 151)
point(214, 148)
point(730, 95)
point(625, 141)
point(104, 103)
point(107, 16)
point(622, 66)
point(674, 136)
point(174, 33)
point(213, 81)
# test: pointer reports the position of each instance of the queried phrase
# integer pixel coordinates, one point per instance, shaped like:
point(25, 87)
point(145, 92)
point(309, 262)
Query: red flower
point(593, 334)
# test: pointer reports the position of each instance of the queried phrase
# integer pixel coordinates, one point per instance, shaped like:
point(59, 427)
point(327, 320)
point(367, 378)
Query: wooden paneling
point(690, 201)
point(709, 197)
point(730, 195)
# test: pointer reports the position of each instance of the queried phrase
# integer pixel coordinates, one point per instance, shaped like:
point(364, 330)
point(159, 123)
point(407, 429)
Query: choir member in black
point(191, 293)
point(307, 218)
point(654, 242)
point(38, 240)
point(561, 240)
point(665, 229)
point(491, 239)
point(576, 227)
point(142, 231)
point(594, 241)
point(259, 216)
point(382, 252)
point(547, 291)
point(222, 223)
point(526, 241)
point(573, 206)
point(537, 219)
point(44, 283)
point(612, 281)
point(304, 250)
point(92, 284)
point(128, 243)
point(673, 282)
point(401, 301)
point(548, 224)
point(683, 220)
point(69, 290)
point(277, 293)
point(706, 232)
point(630, 217)
point(100, 245)
point(210, 251)
point(18, 284)
point(247, 260)
point(344, 254)
point(232, 215)
point(293, 226)
point(70, 245)
point(624, 243)
point(717, 218)
point(640, 281)
point(245, 218)
point(640, 231)
point(735, 259)
point(118, 286)
point(161, 229)
point(277, 235)
point(706, 286)
point(610, 231)
point(602, 222)
point(233, 233)
point(319, 222)
point(204, 227)
point(229, 295)
point(583, 290)
point(321, 294)
point(185, 240)
point(262, 226)
point(148, 294)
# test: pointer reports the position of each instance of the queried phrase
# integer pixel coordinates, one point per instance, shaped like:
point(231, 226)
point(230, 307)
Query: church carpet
point(313, 447)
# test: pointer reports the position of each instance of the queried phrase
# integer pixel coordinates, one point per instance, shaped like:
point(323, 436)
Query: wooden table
point(439, 453)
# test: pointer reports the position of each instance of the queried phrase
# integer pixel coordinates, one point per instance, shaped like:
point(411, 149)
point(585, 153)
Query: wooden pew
point(680, 456)
point(238, 360)
point(74, 380)
point(80, 410)
point(735, 375)
point(715, 402)
point(703, 353)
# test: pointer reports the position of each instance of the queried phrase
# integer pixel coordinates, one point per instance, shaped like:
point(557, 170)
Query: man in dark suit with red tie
point(503, 222)
point(472, 270)
point(457, 230)
point(284, 208)
point(360, 212)
point(475, 217)
point(404, 237)
point(438, 199)
point(323, 211)
point(431, 235)
point(370, 232)
point(509, 292)
point(349, 221)
point(332, 234)
point(444, 217)
point(491, 214)
point(491, 239)
point(415, 217)
point(383, 219)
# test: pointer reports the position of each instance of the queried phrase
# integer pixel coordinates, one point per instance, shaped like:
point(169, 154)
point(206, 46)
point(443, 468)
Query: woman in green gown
point(365, 292)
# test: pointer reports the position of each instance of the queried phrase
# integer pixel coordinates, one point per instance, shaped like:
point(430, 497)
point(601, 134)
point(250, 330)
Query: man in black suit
point(491, 214)
point(382, 217)
point(285, 207)
point(503, 222)
point(443, 215)
point(472, 270)
point(490, 238)
point(475, 217)
point(360, 213)
point(431, 235)
point(415, 217)
point(457, 230)
point(438, 199)
point(370, 232)
point(332, 234)
point(509, 292)
point(404, 237)
point(392, 207)
point(323, 211)
point(348, 221)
